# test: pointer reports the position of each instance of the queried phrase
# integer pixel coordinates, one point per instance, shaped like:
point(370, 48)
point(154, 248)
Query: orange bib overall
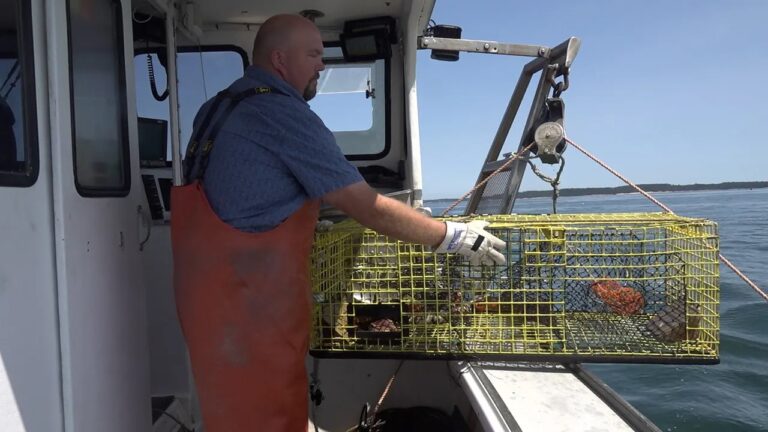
point(244, 302)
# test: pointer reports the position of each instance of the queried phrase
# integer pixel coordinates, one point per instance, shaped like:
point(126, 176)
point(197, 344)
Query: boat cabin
point(96, 109)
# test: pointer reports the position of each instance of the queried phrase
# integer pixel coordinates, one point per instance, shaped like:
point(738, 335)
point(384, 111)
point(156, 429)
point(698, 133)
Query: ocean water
point(733, 395)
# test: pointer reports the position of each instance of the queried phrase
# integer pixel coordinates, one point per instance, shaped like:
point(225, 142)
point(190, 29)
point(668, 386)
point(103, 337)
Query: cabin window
point(99, 120)
point(18, 125)
point(202, 72)
point(352, 99)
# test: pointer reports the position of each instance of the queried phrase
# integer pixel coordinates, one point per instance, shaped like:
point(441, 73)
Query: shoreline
point(623, 190)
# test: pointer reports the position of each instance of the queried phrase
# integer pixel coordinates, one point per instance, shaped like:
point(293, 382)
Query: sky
point(662, 91)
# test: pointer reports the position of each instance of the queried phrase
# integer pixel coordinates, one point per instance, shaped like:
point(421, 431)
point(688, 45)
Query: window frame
point(125, 189)
point(195, 48)
point(184, 49)
point(387, 105)
point(26, 57)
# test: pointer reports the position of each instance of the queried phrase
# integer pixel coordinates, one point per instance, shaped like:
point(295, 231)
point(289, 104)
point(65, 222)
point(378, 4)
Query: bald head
point(291, 47)
point(278, 32)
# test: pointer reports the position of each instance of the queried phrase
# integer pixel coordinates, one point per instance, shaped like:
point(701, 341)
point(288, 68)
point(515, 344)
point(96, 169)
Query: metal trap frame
point(632, 287)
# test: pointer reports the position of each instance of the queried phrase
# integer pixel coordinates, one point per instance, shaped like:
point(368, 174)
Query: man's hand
point(472, 241)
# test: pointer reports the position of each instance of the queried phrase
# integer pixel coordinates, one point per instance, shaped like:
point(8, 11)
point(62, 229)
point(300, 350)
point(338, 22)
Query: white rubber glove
point(472, 241)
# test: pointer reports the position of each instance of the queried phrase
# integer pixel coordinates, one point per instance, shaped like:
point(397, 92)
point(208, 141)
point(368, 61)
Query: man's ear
point(278, 61)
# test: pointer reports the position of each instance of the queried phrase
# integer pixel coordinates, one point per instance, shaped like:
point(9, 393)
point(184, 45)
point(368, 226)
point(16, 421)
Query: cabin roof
point(336, 12)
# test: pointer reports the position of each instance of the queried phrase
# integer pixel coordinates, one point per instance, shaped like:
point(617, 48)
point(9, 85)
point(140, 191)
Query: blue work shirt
point(271, 155)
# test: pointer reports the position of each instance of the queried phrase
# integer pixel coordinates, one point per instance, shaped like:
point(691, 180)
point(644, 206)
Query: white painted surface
point(417, 21)
point(553, 402)
point(169, 363)
point(30, 383)
point(10, 417)
point(102, 308)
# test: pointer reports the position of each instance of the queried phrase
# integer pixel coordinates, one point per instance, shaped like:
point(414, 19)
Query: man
point(242, 232)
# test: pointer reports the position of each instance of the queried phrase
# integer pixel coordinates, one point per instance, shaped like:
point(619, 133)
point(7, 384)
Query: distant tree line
point(651, 187)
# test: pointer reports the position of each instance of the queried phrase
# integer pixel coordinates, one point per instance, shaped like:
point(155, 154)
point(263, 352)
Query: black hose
point(152, 84)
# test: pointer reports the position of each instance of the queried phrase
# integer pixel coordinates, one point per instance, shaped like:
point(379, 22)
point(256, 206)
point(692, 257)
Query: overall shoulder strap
point(196, 158)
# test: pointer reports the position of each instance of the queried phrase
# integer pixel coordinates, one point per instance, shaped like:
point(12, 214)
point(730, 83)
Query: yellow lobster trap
point(641, 287)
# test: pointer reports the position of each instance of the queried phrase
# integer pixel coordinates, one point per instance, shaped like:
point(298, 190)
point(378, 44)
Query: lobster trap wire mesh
point(640, 287)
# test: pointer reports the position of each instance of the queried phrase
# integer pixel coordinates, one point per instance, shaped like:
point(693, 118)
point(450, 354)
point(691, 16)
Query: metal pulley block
point(549, 133)
point(550, 140)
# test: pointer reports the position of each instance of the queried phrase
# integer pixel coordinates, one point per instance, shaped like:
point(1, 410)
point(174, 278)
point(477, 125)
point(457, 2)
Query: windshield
point(351, 100)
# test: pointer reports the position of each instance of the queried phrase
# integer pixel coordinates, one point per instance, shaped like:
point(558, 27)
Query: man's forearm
point(386, 215)
point(393, 218)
